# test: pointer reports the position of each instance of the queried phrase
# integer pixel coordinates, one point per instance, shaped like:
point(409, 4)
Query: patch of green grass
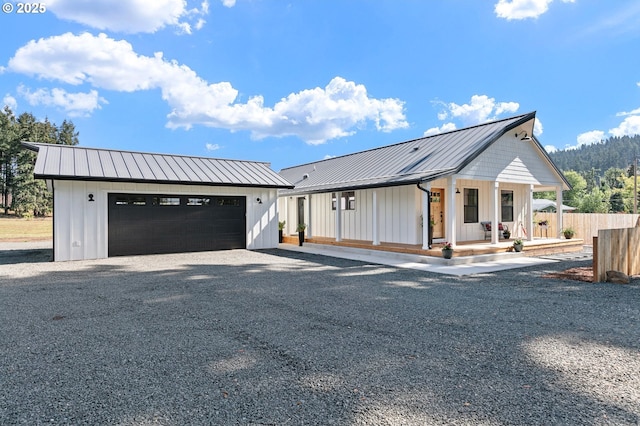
point(16, 229)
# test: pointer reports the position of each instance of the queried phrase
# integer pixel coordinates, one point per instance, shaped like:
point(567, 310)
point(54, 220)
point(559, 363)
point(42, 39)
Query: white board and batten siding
point(81, 226)
point(398, 215)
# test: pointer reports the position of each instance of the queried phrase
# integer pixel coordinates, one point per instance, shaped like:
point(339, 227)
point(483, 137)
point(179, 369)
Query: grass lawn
point(16, 229)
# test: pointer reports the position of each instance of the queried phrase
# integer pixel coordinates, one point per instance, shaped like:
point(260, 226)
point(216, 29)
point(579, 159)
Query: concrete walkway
point(456, 266)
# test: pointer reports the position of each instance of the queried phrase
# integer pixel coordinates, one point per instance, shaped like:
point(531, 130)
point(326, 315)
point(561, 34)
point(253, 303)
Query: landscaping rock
point(617, 277)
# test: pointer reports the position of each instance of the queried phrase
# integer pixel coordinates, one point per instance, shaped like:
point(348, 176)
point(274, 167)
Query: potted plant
point(568, 233)
point(517, 244)
point(506, 233)
point(300, 229)
point(281, 230)
point(447, 250)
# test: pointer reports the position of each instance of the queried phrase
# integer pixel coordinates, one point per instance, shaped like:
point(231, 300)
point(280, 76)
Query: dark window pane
point(193, 201)
point(125, 200)
point(470, 205)
point(506, 202)
point(349, 200)
point(228, 202)
point(166, 201)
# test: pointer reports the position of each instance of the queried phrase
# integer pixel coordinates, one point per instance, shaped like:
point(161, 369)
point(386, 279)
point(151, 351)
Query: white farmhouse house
point(458, 179)
point(111, 203)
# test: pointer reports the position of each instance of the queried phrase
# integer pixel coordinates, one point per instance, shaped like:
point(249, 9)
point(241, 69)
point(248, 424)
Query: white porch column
point(374, 219)
point(495, 216)
point(426, 220)
point(529, 215)
point(310, 221)
point(450, 208)
point(338, 216)
point(285, 216)
point(559, 212)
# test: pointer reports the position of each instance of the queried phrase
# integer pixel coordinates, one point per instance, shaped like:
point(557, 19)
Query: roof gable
point(67, 162)
point(417, 160)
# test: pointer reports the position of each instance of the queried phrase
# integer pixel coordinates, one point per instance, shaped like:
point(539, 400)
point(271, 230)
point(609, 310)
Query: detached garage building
point(113, 203)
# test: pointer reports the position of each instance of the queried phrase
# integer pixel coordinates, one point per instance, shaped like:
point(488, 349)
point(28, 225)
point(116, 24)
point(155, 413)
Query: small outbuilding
point(113, 203)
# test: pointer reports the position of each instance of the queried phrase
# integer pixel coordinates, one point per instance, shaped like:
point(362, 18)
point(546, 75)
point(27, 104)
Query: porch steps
point(464, 253)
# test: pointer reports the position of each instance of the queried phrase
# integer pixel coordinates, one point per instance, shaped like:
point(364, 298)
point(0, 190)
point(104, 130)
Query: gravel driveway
point(280, 338)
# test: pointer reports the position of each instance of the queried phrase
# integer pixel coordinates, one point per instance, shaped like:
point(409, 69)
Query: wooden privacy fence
point(586, 225)
point(616, 250)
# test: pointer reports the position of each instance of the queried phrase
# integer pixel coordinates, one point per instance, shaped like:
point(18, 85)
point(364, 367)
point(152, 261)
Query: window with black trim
point(166, 201)
point(347, 200)
point(470, 205)
point(350, 200)
point(198, 201)
point(228, 202)
point(506, 203)
point(131, 200)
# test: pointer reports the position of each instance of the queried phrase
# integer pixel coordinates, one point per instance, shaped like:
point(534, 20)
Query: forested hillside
point(601, 175)
point(616, 152)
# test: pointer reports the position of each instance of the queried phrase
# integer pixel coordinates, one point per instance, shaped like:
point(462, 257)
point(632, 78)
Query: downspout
point(428, 218)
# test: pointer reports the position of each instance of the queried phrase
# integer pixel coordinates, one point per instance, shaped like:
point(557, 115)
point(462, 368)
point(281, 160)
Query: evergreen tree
point(20, 191)
point(8, 151)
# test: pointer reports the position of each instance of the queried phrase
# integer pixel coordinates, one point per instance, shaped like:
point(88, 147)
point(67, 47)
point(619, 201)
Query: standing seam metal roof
point(79, 163)
point(413, 161)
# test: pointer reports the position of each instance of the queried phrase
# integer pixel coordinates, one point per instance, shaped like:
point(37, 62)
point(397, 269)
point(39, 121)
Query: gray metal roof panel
point(93, 161)
point(73, 162)
point(108, 168)
point(143, 166)
point(52, 164)
point(132, 166)
point(67, 164)
point(81, 163)
point(421, 159)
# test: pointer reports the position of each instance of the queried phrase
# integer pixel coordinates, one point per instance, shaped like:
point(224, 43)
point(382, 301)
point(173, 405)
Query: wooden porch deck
point(537, 247)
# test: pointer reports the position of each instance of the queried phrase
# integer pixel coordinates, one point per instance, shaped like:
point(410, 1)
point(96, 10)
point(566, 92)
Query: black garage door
point(150, 224)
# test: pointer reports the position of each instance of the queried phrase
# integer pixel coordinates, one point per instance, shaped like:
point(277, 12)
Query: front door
point(437, 212)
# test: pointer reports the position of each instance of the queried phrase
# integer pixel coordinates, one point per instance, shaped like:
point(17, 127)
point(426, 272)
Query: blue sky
point(291, 82)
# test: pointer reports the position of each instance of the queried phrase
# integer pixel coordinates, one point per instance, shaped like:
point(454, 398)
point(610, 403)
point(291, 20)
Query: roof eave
point(164, 182)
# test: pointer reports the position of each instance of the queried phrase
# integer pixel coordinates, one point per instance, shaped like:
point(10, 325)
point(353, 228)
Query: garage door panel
point(151, 224)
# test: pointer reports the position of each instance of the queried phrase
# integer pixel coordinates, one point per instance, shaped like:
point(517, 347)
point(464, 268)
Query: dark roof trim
point(350, 186)
point(163, 182)
point(546, 156)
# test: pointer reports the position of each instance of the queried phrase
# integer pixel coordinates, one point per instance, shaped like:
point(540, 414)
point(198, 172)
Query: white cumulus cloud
point(314, 115)
point(630, 126)
point(10, 101)
point(74, 104)
point(130, 16)
point(480, 109)
point(212, 146)
point(589, 138)
point(447, 127)
point(523, 9)
point(538, 128)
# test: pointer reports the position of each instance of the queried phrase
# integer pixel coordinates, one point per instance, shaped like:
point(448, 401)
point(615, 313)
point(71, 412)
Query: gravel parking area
point(281, 338)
